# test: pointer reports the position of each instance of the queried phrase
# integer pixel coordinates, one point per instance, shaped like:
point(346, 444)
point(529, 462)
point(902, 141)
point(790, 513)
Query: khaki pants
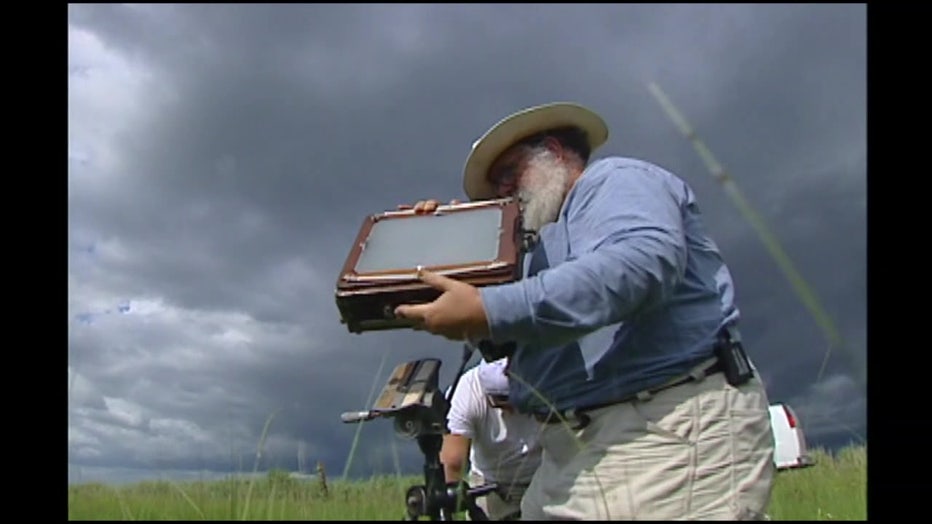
point(494, 506)
point(703, 450)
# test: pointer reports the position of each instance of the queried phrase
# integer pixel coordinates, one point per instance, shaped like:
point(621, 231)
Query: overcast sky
point(221, 159)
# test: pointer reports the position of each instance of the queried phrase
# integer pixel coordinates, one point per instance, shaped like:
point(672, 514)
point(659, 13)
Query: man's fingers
point(413, 312)
point(426, 206)
point(436, 280)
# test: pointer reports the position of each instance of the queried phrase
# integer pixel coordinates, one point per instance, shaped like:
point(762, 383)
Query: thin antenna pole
point(802, 289)
point(352, 452)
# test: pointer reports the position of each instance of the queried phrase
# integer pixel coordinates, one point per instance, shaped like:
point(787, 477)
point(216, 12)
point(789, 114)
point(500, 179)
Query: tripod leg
point(415, 503)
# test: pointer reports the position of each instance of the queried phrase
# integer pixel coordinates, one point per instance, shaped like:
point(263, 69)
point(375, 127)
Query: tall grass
point(276, 497)
point(834, 489)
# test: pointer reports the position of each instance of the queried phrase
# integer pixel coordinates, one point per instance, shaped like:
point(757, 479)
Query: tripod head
point(412, 398)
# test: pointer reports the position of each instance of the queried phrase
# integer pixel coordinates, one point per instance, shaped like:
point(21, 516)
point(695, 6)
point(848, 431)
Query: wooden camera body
point(476, 242)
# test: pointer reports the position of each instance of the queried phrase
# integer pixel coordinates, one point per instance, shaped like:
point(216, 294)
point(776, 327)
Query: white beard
point(542, 190)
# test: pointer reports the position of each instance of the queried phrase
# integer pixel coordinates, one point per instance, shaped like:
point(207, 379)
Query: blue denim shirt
point(623, 292)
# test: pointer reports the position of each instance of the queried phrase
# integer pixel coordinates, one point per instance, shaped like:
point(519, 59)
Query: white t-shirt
point(505, 446)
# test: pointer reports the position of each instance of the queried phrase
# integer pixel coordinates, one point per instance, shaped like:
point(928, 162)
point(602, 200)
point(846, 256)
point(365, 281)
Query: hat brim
point(518, 126)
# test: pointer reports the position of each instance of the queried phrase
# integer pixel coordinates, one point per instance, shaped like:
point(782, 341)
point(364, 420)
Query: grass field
point(834, 489)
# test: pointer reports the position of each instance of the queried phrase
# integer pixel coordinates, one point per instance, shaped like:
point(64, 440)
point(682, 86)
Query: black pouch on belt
point(733, 359)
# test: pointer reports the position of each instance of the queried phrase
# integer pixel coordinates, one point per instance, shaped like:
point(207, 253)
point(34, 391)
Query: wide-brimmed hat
point(518, 126)
point(492, 377)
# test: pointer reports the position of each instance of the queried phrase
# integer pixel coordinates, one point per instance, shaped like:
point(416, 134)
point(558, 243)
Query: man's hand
point(422, 207)
point(457, 314)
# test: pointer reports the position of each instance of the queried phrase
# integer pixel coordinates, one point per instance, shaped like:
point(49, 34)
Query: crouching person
point(499, 443)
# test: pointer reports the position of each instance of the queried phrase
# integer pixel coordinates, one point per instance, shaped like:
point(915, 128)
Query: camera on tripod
point(412, 398)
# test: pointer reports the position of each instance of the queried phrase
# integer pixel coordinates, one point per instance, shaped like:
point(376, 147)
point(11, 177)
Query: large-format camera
point(480, 243)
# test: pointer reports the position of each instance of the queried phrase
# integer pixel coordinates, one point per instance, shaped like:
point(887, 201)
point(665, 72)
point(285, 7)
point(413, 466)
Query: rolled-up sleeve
point(627, 252)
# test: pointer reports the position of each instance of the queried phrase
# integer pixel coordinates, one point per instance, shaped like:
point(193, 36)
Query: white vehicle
point(790, 450)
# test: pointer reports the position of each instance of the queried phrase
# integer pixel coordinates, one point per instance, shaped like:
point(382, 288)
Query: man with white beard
point(625, 328)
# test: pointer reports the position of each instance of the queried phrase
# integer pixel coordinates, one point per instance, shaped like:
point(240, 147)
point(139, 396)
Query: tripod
point(436, 498)
point(412, 398)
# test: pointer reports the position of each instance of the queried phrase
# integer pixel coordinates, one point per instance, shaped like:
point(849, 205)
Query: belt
point(579, 414)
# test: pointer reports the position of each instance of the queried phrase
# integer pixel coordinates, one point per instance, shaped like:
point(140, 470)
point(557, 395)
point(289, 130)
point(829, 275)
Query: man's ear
point(554, 146)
